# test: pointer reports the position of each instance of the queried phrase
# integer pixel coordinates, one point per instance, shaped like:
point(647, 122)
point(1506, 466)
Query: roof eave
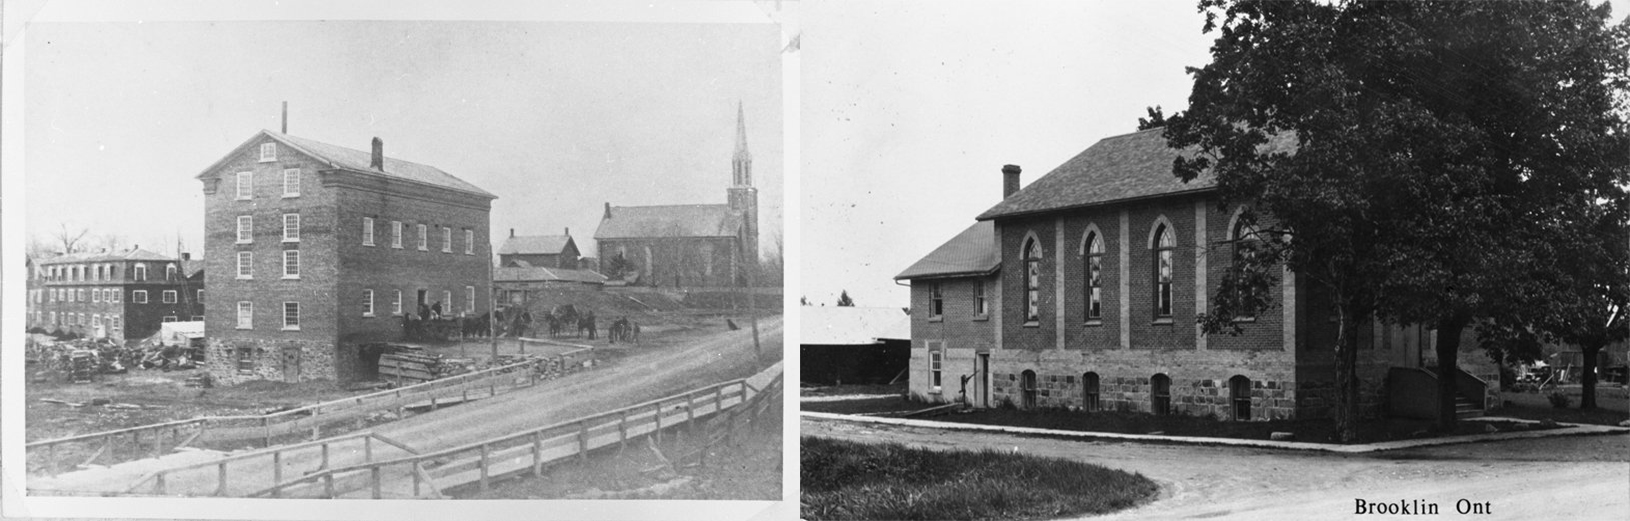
point(988, 216)
point(950, 275)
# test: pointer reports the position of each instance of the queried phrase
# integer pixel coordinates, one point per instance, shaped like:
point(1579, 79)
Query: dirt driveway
point(1577, 477)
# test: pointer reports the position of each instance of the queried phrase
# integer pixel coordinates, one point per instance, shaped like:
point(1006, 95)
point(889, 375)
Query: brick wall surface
point(957, 330)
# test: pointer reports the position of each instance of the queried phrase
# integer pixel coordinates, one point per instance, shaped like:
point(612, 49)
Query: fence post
point(537, 453)
point(277, 473)
point(266, 424)
point(328, 484)
point(158, 442)
point(483, 463)
point(375, 472)
point(220, 479)
point(51, 456)
point(582, 441)
point(658, 432)
point(368, 449)
point(690, 413)
point(622, 429)
point(718, 400)
point(158, 483)
point(325, 456)
point(417, 468)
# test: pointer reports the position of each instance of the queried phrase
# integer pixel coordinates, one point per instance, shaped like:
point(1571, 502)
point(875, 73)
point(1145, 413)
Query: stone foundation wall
point(317, 360)
point(1199, 379)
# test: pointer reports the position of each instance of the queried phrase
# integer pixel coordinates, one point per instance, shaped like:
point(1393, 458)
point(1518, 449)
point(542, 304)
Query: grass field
point(847, 480)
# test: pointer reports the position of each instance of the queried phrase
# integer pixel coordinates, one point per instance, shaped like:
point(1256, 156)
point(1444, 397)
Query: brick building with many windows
point(118, 296)
point(1083, 289)
point(318, 249)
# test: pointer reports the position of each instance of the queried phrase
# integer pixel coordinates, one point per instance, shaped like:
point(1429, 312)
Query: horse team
point(563, 320)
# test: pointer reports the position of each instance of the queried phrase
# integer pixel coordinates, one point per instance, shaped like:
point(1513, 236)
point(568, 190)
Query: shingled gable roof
point(685, 220)
point(133, 254)
point(1119, 168)
point(358, 161)
point(534, 245)
point(970, 253)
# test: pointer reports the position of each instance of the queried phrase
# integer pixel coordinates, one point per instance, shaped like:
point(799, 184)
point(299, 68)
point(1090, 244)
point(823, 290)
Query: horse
point(585, 322)
point(625, 330)
point(567, 315)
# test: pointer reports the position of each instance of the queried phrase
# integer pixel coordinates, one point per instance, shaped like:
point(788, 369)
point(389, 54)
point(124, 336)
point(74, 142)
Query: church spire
point(742, 163)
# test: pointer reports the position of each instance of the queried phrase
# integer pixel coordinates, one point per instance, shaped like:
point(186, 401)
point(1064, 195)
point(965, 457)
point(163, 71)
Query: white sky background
point(911, 109)
point(556, 118)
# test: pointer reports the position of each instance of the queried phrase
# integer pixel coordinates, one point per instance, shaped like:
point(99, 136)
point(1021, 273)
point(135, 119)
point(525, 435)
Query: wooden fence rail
point(266, 427)
point(531, 450)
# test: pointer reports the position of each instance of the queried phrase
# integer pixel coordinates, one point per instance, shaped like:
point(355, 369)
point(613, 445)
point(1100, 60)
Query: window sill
point(1032, 324)
point(1162, 322)
point(289, 328)
point(936, 318)
point(367, 315)
point(289, 277)
point(288, 240)
point(935, 390)
point(981, 318)
point(244, 328)
point(244, 242)
point(250, 198)
point(368, 244)
point(290, 196)
point(267, 160)
point(396, 246)
point(241, 277)
point(1094, 323)
point(1244, 320)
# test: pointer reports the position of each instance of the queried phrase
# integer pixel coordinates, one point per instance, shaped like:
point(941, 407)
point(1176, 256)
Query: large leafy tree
point(1445, 158)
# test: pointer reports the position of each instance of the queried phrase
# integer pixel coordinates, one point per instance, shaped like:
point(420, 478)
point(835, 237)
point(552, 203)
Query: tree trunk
point(1346, 378)
point(1587, 380)
point(1448, 350)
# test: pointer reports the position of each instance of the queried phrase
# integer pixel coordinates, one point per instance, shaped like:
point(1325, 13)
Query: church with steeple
point(686, 246)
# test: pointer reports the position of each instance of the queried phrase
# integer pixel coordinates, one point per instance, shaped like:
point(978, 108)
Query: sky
point(903, 148)
point(556, 118)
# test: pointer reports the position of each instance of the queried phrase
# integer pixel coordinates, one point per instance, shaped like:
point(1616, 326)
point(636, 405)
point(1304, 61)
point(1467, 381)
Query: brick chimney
point(1010, 180)
point(568, 231)
point(512, 232)
point(378, 162)
point(608, 210)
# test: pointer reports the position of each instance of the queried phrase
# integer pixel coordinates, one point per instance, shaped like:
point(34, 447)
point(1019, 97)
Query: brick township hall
point(1082, 291)
point(317, 249)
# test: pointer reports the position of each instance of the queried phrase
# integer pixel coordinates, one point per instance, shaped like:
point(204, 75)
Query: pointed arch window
point(1095, 277)
point(1164, 244)
point(1032, 281)
point(1247, 244)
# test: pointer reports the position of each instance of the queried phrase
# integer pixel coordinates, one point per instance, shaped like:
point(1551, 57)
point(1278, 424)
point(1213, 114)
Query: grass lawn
point(898, 389)
point(892, 404)
point(847, 480)
point(1570, 415)
point(1311, 430)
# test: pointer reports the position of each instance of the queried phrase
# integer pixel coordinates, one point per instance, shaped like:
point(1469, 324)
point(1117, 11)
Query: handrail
point(444, 382)
point(247, 455)
point(418, 460)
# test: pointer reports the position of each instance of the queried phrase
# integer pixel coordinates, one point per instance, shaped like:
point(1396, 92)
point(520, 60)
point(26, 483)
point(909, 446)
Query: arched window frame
point(1092, 268)
point(1160, 394)
point(1090, 392)
point(1239, 398)
point(1240, 231)
point(1030, 256)
point(1162, 247)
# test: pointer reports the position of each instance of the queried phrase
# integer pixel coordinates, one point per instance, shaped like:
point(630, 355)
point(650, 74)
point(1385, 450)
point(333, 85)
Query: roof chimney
point(512, 233)
point(1010, 180)
point(568, 231)
point(608, 210)
point(186, 256)
point(378, 162)
point(285, 117)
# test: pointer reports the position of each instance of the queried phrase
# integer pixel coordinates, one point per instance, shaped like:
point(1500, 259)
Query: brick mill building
point(317, 249)
point(114, 295)
point(1082, 290)
point(688, 245)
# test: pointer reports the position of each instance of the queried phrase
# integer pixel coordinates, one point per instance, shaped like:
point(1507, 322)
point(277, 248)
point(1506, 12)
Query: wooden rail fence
point(150, 440)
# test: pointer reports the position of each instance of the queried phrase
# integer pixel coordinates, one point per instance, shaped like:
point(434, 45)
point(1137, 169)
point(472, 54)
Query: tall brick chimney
point(512, 233)
point(1010, 180)
point(568, 231)
point(378, 162)
point(608, 209)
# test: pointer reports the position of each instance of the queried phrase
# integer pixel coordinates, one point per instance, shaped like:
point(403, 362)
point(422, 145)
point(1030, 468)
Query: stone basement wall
point(317, 360)
point(1199, 379)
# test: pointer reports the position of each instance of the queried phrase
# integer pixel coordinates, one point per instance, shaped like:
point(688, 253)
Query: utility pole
point(752, 309)
point(492, 298)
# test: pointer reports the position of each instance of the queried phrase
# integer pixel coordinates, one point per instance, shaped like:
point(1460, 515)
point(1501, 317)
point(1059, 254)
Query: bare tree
point(71, 240)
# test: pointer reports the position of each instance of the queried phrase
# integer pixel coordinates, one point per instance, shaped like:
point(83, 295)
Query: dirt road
point(639, 377)
point(1580, 477)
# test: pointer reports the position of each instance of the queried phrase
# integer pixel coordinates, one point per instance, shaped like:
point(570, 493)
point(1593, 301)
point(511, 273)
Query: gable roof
point(683, 220)
point(358, 161)
point(849, 325)
point(970, 253)
point(537, 274)
point(535, 244)
point(1118, 168)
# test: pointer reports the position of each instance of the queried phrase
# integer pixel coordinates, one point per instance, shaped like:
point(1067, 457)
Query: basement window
point(246, 360)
